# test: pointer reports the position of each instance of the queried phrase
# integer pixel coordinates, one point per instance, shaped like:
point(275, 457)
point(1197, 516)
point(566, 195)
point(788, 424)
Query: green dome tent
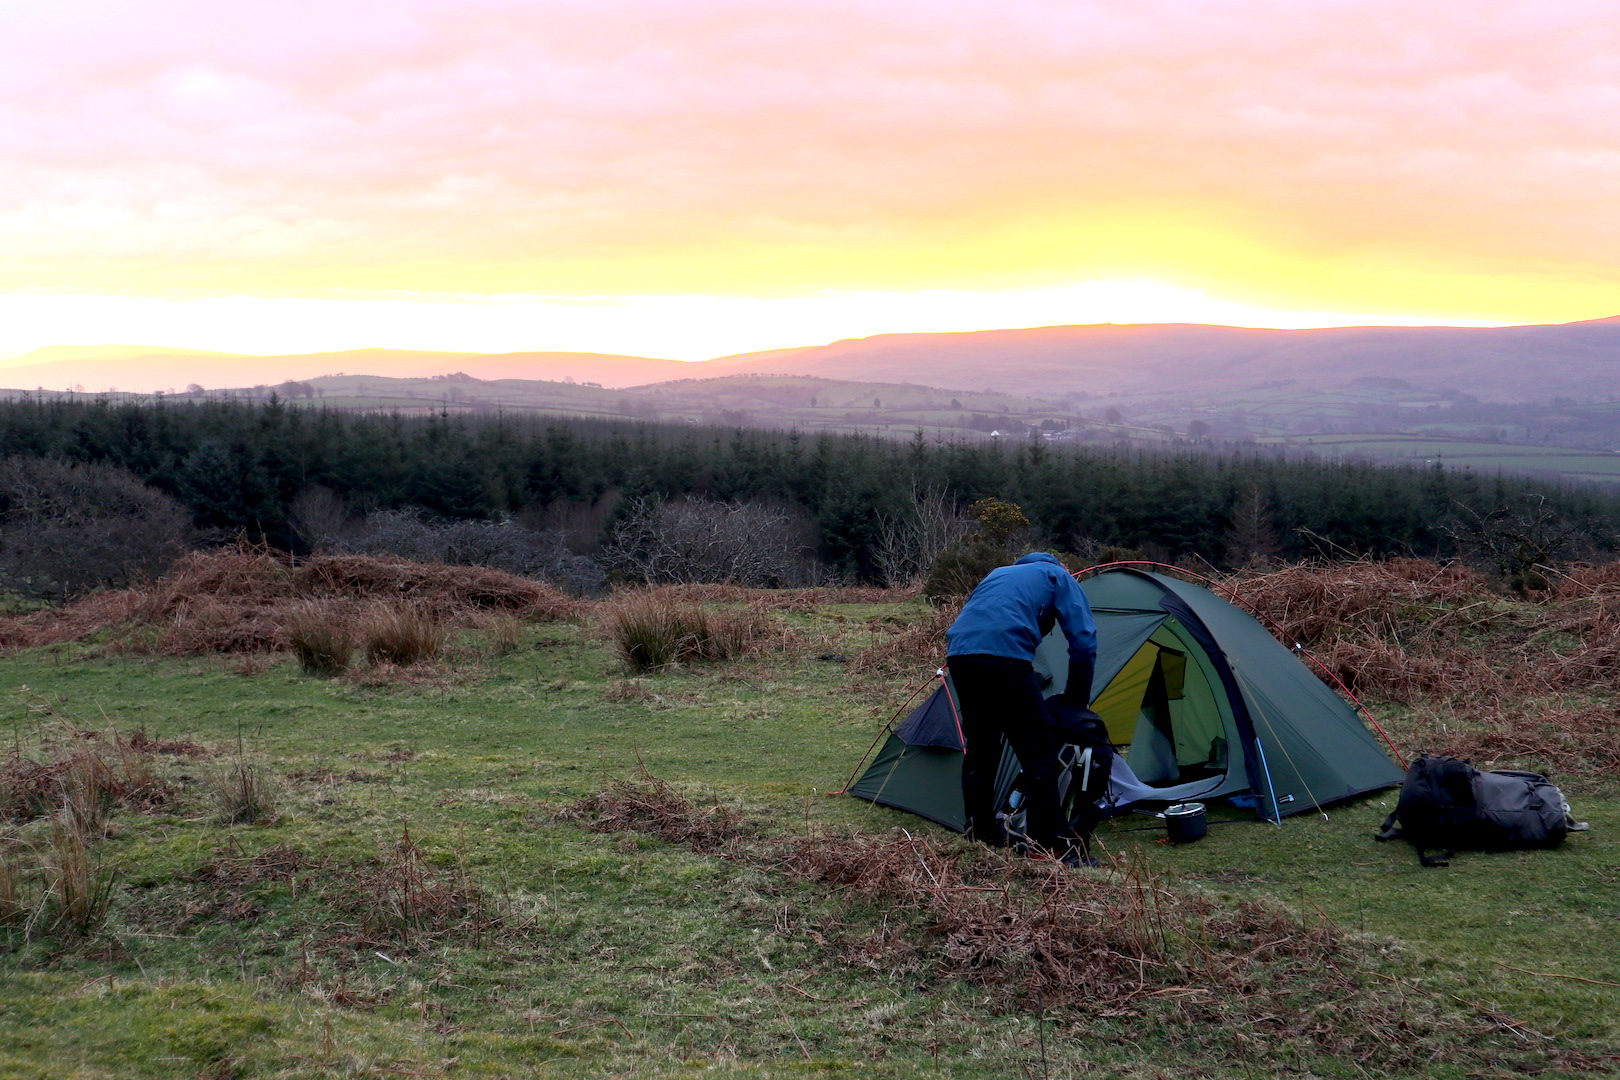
point(1201, 700)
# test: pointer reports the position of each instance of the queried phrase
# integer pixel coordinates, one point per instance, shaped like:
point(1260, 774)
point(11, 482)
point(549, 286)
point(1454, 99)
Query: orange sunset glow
point(690, 178)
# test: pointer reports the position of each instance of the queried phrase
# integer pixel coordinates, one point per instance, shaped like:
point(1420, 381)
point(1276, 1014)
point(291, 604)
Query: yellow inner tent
point(1161, 709)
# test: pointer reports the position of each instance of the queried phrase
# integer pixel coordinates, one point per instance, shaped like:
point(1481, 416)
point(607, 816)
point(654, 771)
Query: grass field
point(1483, 457)
point(418, 903)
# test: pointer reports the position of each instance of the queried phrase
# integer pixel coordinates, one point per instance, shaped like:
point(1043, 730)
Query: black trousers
point(999, 696)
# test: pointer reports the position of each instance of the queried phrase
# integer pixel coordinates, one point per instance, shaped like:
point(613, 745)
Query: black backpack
point(1448, 805)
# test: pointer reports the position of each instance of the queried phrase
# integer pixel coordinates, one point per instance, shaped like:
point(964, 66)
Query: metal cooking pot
point(1185, 822)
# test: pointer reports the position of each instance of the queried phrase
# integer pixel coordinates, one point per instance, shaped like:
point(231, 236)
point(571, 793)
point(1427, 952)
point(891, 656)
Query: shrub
point(322, 637)
point(67, 528)
point(962, 565)
point(958, 571)
point(404, 634)
point(531, 553)
point(698, 540)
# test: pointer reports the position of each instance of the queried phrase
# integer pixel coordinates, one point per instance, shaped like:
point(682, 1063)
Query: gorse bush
point(965, 562)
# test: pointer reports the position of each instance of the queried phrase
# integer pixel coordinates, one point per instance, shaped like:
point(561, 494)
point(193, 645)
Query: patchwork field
point(517, 857)
point(1601, 466)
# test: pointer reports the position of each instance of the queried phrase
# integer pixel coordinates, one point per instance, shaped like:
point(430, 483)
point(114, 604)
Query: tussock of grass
point(244, 793)
point(402, 896)
point(651, 629)
point(503, 634)
point(78, 892)
point(88, 788)
point(322, 636)
point(403, 634)
point(13, 909)
point(54, 886)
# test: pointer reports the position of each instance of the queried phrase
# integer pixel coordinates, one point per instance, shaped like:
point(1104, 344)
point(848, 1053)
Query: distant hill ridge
point(1511, 363)
point(144, 369)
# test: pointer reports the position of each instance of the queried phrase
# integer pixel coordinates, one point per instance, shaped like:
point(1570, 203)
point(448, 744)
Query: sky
point(690, 178)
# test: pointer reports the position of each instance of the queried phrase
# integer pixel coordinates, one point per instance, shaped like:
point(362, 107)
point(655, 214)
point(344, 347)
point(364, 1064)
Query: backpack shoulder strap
point(1443, 859)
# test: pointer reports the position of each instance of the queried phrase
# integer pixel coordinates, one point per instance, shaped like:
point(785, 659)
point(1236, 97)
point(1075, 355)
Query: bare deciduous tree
point(1518, 540)
point(319, 517)
point(65, 528)
point(695, 539)
point(910, 541)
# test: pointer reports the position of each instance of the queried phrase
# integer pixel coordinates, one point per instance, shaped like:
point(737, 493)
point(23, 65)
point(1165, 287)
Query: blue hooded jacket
point(1015, 606)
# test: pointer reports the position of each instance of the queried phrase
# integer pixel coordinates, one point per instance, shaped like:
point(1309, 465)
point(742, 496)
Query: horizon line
point(180, 350)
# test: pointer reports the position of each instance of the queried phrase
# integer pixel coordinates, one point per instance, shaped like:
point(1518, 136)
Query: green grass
point(624, 955)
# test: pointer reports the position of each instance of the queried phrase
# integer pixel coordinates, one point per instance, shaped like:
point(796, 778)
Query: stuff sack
point(1448, 805)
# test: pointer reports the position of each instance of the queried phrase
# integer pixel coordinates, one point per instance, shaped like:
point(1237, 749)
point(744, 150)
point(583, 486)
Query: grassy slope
point(637, 958)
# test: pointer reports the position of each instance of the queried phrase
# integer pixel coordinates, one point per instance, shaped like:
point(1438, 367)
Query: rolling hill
point(1510, 363)
point(146, 369)
point(1580, 361)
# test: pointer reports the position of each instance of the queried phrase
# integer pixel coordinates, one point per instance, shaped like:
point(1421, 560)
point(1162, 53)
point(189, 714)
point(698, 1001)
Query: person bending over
point(991, 661)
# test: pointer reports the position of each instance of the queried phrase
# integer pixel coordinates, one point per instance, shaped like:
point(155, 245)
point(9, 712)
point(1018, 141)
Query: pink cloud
point(364, 131)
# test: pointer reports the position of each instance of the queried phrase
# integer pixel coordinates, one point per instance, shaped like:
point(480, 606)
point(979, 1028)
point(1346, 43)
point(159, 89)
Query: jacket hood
point(1038, 556)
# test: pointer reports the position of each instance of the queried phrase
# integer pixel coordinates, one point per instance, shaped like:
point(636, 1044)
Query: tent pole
point(887, 724)
point(1271, 789)
point(1271, 624)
